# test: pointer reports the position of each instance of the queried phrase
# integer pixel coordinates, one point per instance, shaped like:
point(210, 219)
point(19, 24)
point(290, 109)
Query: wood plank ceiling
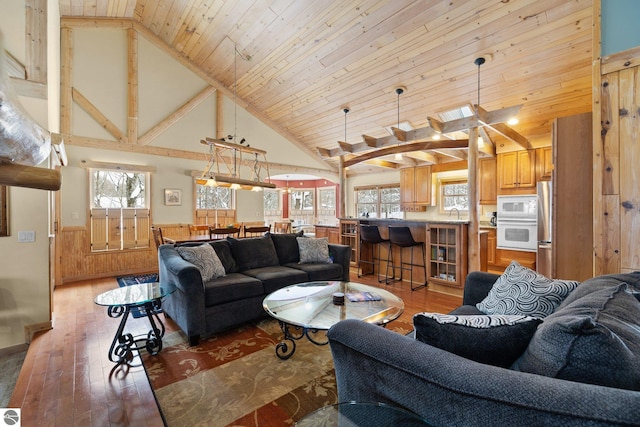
point(303, 61)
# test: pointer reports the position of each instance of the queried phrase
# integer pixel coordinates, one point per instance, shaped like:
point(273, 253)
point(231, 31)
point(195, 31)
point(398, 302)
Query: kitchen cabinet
point(516, 170)
point(492, 246)
point(415, 188)
point(331, 233)
point(349, 236)
point(488, 169)
point(447, 254)
point(544, 163)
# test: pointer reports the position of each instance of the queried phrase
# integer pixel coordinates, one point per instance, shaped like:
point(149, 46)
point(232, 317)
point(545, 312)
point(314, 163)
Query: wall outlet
point(26, 236)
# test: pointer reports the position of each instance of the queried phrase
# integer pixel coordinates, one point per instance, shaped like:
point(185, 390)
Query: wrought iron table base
point(123, 344)
point(285, 350)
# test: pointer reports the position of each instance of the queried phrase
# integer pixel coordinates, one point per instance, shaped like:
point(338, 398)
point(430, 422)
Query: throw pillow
point(204, 257)
point(223, 250)
point(253, 252)
point(314, 250)
point(287, 247)
point(594, 340)
point(521, 290)
point(493, 340)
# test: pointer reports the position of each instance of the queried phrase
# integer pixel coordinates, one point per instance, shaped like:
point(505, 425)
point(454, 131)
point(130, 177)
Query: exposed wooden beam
point(456, 154)
point(382, 163)
point(423, 156)
point(14, 68)
point(132, 86)
point(30, 177)
point(29, 88)
point(414, 134)
point(405, 148)
point(36, 40)
point(172, 118)
point(97, 115)
point(104, 144)
point(511, 134)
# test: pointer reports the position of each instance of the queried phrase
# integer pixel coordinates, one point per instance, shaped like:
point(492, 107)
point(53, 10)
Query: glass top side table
point(147, 298)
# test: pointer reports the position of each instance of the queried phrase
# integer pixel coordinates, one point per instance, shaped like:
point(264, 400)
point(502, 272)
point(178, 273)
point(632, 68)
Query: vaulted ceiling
point(301, 62)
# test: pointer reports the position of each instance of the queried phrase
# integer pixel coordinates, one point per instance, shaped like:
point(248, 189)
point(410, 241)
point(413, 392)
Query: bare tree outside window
point(115, 189)
point(208, 197)
point(454, 194)
point(271, 200)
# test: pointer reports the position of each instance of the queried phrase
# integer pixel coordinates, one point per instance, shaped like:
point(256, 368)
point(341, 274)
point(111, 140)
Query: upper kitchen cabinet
point(488, 183)
point(516, 170)
point(415, 188)
point(544, 163)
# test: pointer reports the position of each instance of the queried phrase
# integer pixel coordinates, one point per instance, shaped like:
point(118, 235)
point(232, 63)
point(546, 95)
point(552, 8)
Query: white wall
point(99, 73)
point(24, 276)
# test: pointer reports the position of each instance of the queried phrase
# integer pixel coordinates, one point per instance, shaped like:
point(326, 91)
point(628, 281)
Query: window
point(302, 201)
point(378, 201)
point(214, 205)
point(454, 194)
point(271, 200)
point(119, 209)
point(208, 197)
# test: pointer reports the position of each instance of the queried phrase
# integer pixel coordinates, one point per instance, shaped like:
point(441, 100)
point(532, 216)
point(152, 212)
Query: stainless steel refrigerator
point(544, 255)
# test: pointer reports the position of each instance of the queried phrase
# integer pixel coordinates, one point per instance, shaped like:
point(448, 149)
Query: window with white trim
point(119, 209)
point(378, 201)
point(454, 194)
point(214, 205)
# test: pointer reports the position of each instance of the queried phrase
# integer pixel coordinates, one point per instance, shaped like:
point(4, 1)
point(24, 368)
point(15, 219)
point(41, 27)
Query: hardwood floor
point(68, 380)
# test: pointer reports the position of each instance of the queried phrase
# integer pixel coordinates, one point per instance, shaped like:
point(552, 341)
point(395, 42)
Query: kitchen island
point(446, 249)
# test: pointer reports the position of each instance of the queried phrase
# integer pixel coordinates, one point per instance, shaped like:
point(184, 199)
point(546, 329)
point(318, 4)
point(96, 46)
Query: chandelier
point(225, 160)
point(229, 156)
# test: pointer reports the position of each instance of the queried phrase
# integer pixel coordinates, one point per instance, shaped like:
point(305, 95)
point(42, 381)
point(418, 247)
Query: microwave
point(521, 207)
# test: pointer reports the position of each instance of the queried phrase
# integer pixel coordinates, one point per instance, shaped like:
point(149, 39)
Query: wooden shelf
point(446, 252)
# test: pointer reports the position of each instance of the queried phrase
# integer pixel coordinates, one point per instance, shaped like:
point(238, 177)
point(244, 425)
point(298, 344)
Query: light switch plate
point(26, 236)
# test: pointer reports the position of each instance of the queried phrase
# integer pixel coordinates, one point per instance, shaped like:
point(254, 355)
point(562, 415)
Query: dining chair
point(157, 236)
point(223, 232)
point(282, 227)
point(255, 230)
point(199, 229)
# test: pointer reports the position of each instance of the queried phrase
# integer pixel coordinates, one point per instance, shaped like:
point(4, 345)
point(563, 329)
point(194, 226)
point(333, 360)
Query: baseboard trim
point(31, 330)
point(8, 351)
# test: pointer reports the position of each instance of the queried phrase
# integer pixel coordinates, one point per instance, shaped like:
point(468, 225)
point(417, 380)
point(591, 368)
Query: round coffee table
point(147, 298)
point(356, 414)
point(310, 307)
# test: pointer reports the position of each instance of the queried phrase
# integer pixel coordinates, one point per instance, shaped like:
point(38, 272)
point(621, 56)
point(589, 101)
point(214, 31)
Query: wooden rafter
point(405, 148)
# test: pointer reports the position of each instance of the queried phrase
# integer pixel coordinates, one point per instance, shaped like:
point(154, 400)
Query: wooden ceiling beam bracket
point(407, 148)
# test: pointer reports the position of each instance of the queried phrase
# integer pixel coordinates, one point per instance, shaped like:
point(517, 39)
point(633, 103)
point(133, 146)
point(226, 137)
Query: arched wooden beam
point(407, 148)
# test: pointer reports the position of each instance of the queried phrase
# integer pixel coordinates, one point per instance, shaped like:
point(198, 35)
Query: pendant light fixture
point(479, 61)
point(229, 154)
point(399, 91)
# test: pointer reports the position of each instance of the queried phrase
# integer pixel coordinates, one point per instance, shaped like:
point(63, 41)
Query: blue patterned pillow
point(314, 250)
point(204, 257)
point(523, 291)
point(493, 340)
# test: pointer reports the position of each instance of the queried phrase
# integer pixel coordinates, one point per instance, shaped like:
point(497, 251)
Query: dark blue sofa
point(373, 364)
point(254, 267)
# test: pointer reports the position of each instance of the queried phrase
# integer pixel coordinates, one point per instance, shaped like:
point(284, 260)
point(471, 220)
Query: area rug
point(236, 379)
point(135, 280)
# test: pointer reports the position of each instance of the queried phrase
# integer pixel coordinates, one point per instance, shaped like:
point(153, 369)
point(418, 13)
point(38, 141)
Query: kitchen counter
point(407, 221)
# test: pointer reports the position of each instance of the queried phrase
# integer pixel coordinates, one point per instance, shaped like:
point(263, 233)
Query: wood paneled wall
point(79, 263)
point(616, 157)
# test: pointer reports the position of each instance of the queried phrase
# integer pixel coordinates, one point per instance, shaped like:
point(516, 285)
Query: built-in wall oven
point(517, 226)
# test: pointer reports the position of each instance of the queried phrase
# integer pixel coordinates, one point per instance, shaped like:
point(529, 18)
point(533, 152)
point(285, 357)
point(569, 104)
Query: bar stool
point(402, 237)
point(371, 235)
